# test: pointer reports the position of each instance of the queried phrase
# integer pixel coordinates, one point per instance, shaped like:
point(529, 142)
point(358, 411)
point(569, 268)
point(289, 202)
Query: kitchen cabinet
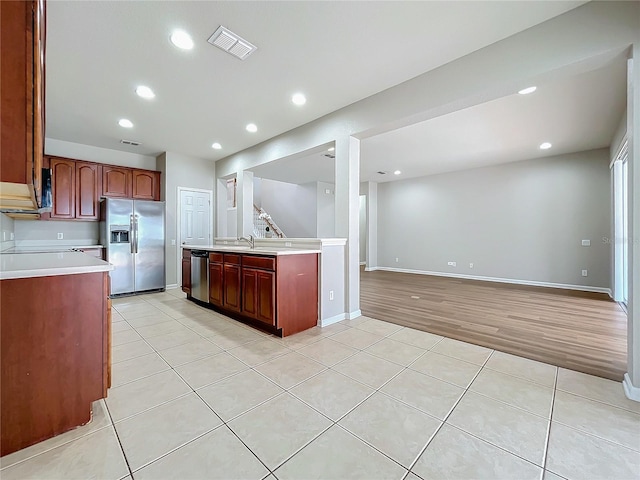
point(186, 271)
point(258, 288)
point(63, 187)
point(116, 181)
point(145, 184)
point(126, 182)
point(22, 44)
point(54, 355)
point(75, 189)
point(232, 282)
point(216, 283)
point(87, 192)
point(278, 293)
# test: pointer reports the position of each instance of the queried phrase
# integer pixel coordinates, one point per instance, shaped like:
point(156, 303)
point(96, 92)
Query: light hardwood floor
point(581, 331)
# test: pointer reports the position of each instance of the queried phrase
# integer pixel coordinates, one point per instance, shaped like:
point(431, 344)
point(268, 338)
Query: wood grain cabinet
point(145, 184)
point(22, 43)
point(116, 181)
point(87, 192)
point(258, 288)
point(186, 271)
point(63, 188)
point(75, 188)
point(216, 276)
point(231, 282)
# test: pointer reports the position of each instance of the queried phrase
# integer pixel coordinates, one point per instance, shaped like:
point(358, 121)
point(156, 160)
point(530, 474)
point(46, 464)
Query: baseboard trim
point(363, 263)
point(498, 280)
point(632, 393)
point(371, 269)
point(172, 286)
point(355, 314)
point(331, 320)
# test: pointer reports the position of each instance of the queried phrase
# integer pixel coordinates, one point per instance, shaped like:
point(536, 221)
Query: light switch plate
point(586, 243)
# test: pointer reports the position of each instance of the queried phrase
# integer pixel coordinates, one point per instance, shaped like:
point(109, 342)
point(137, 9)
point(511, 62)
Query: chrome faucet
point(251, 241)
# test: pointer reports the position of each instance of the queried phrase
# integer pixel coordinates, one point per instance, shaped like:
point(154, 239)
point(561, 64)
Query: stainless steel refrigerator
point(133, 233)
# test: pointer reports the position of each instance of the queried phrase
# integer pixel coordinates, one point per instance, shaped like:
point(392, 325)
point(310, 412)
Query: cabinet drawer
point(186, 253)
point(267, 263)
point(232, 258)
point(216, 257)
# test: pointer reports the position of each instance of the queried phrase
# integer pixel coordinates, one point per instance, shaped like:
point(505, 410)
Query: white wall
point(181, 171)
point(78, 151)
point(7, 227)
point(45, 232)
point(292, 207)
point(523, 221)
point(326, 210)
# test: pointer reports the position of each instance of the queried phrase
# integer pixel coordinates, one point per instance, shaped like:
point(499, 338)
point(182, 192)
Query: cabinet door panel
point(249, 292)
point(116, 181)
point(216, 293)
point(145, 185)
point(266, 290)
point(63, 188)
point(87, 191)
point(186, 275)
point(232, 287)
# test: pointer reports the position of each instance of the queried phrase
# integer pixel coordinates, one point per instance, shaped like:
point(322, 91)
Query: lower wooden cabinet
point(231, 287)
point(279, 293)
point(186, 271)
point(216, 283)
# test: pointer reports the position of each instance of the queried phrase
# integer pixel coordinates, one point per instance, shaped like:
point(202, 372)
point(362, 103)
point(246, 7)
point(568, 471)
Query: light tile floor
point(197, 395)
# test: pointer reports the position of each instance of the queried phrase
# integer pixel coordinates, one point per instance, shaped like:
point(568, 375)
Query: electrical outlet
point(330, 294)
point(471, 265)
point(586, 243)
point(397, 259)
point(584, 273)
point(287, 244)
point(173, 241)
point(225, 243)
point(11, 237)
point(4, 236)
point(451, 264)
point(60, 236)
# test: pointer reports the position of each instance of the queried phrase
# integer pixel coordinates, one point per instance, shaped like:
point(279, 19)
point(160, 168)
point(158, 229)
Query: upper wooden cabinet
point(125, 182)
point(63, 187)
point(116, 181)
point(146, 185)
point(75, 189)
point(88, 187)
point(22, 35)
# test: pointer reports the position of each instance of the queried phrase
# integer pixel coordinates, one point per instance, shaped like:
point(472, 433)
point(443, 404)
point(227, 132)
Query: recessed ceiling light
point(216, 146)
point(331, 149)
point(145, 92)
point(123, 122)
point(545, 146)
point(299, 99)
point(181, 39)
point(397, 172)
point(251, 128)
point(527, 91)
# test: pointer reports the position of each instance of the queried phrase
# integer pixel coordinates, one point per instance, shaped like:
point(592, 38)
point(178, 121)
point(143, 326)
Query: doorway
point(194, 219)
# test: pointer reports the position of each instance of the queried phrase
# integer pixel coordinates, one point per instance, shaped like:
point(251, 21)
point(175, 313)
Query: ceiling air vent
point(231, 43)
point(130, 142)
point(329, 155)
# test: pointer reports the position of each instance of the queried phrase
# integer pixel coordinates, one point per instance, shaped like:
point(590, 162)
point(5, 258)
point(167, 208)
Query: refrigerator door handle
point(135, 223)
point(132, 233)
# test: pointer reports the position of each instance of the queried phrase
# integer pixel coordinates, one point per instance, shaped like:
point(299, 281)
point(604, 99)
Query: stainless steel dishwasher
point(200, 275)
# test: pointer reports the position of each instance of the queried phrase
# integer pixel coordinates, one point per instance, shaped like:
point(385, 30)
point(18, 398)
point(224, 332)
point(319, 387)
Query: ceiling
point(573, 113)
point(336, 53)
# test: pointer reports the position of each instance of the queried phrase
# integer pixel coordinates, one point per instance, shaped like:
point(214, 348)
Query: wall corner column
point(244, 201)
point(348, 216)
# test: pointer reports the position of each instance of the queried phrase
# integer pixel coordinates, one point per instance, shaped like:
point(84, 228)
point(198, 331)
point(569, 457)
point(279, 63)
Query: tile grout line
point(124, 455)
point(548, 437)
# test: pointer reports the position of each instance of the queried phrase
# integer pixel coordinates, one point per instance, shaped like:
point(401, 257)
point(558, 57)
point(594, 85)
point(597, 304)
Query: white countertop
point(25, 265)
point(49, 249)
point(275, 251)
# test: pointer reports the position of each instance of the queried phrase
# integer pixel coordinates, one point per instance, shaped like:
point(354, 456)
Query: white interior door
point(195, 217)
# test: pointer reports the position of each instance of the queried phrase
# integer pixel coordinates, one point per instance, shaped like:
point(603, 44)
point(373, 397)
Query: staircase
point(261, 221)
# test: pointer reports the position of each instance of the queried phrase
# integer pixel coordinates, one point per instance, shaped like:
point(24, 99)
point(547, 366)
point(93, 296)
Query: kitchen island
point(55, 343)
point(275, 289)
